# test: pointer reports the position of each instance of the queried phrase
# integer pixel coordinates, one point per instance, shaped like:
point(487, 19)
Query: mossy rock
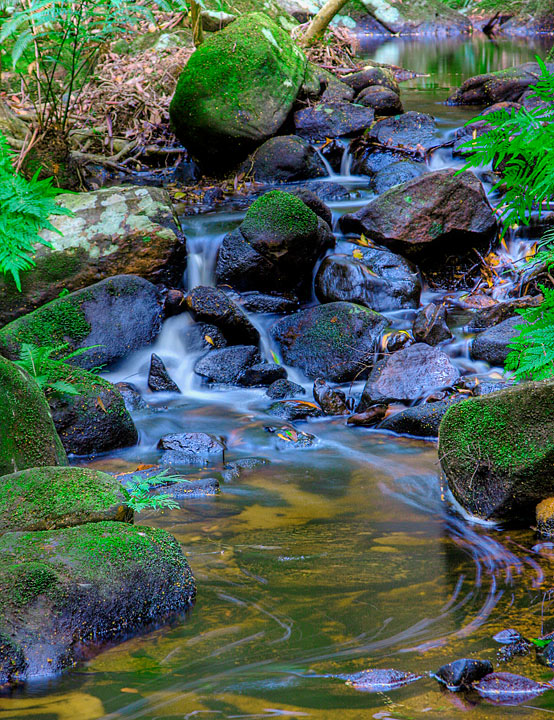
point(64, 593)
point(28, 437)
point(48, 498)
point(497, 451)
point(507, 85)
point(237, 90)
point(119, 314)
point(270, 8)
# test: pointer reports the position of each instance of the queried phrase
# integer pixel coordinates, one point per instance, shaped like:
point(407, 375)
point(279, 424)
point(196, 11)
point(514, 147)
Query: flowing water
point(319, 562)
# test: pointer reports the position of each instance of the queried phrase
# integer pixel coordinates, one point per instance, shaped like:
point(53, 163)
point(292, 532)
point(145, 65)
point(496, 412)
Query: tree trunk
point(196, 23)
point(320, 22)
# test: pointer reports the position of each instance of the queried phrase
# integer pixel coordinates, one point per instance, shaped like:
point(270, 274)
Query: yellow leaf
point(209, 340)
point(358, 254)
point(101, 404)
point(179, 195)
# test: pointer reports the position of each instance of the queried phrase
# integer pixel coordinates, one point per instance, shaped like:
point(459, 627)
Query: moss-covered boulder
point(93, 420)
point(275, 247)
point(336, 341)
point(28, 437)
point(119, 314)
point(63, 593)
point(48, 498)
point(131, 230)
point(237, 90)
point(497, 451)
point(500, 86)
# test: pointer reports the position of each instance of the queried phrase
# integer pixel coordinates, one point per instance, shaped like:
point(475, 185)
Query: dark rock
point(294, 409)
point(421, 420)
point(328, 120)
point(195, 448)
point(396, 174)
point(413, 131)
point(213, 306)
point(283, 389)
point(287, 438)
point(546, 655)
point(326, 191)
point(396, 340)
point(495, 314)
point(118, 315)
point(504, 688)
point(236, 469)
point(379, 280)
point(408, 375)
point(379, 680)
point(368, 161)
point(202, 336)
point(261, 374)
point(329, 399)
point(371, 77)
point(158, 377)
point(382, 100)
point(131, 396)
point(315, 204)
point(331, 341)
point(439, 213)
point(545, 518)
point(174, 303)
point(492, 344)
point(430, 325)
point(369, 417)
point(468, 133)
point(260, 303)
point(187, 489)
point(320, 84)
point(462, 673)
point(228, 364)
point(285, 158)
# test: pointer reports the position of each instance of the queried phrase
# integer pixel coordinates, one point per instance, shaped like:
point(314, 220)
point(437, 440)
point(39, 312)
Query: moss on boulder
point(497, 451)
point(28, 437)
point(48, 498)
point(237, 90)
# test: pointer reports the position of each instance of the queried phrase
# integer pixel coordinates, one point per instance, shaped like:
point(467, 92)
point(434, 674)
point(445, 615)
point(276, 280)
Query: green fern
point(531, 354)
point(42, 362)
point(138, 492)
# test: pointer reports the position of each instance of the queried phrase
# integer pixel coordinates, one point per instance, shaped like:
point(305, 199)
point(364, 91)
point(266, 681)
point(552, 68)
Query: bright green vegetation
point(45, 366)
point(138, 492)
point(279, 213)
point(532, 350)
point(25, 206)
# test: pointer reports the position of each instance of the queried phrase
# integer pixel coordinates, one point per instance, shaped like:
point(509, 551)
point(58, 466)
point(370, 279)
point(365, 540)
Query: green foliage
point(531, 354)
point(41, 364)
point(138, 493)
point(522, 143)
point(25, 206)
point(541, 642)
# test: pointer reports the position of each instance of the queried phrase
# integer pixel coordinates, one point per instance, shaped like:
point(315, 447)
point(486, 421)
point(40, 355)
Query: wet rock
point(421, 420)
point(286, 158)
point(131, 396)
point(329, 399)
point(294, 409)
point(368, 418)
point(380, 680)
point(497, 451)
point(49, 498)
point(228, 364)
point(463, 673)
point(331, 341)
point(408, 375)
point(28, 437)
point(545, 518)
point(501, 311)
point(94, 419)
point(329, 120)
point(506, 85)
point(194, 448)
point(174, 303)
point(546, 655)
point(368, 161)
point(430, 325)
point(507, 637)
point(115, 230)
point(315, 203)
point(382, 100)
point(234, 470)
point(413, 131)
point(468, 133)
point(396, 174)
point(505, 688)
point(287, 438)
point(437, 214)
point(371, 77)
point(262, 303)
point(158, 377)
point(518, 648)
point(492, 344)
point(211, 305)
point(275, 248)
point(203, 336)
point(379, 280)
point(266, 70)
point(326, 191)
point(396, 340)
point(188, 489)
point(283, 389)
point(261, 374)
point(320, 84)
point(62, 589)
point(118, 315)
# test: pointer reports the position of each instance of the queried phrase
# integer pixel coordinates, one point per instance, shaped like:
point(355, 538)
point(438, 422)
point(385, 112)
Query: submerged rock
point(368, 418)
point(507, 637)
point(211, 305)
point(505, 688)
point(380, 680)
point(286, 158)
point(283, 389)
point(545, 518)
point(228, 364)
point(294, 409)
point(159, 379)
point(463, 673)
point(287, 438)
point(332, 119)
point(194, 448)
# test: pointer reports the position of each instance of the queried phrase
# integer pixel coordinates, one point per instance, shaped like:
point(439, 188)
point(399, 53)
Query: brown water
point(323, 561)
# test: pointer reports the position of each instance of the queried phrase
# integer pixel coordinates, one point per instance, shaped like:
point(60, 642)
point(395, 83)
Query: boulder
point(369, 417)
point(492, 344)
point(497, 451)
point(261, 375)
point(379, 280)
point(396, 174)
point(329, 399)
point(335, 341)
point(285, 158)
point(407, 375)
point(276, 246)
point(283, 389)
point(119, 315)
point(412, 131)
point(382, 100)
point(203, 336)
point(49, 498)
point(294, 409)
point(65, 593)
point(28, 437)
point(463, 673)
point(420, 420)
point(237, 90)
point(314, 202)
point(228, 364)
point(131, 230)
point(213, 306)
point(372, 77)
point(332, 119)
point(159, 379)
point(545, 518)
point(506, 85)
point(438, 214)
point(430, 326)
point(367, 160)
point(194, 448)
point(497, 313)
point(258, 302)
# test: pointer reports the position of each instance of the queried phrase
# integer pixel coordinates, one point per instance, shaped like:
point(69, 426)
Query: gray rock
point(332, 119)
point(419, 421)
point(283, 389)
point(430, 325)
point(463, 673)
point(492, 344)
point(294, 409)
point(411, 131)
point(285, 158)
point(159, 379)
point(213, 306)
point(261, 374)
point(382, 100)
point(228, 364)
point(195, 448)
point(396, 174)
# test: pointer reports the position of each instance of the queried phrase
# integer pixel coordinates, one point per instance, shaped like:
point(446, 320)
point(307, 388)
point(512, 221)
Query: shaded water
point(323, 561)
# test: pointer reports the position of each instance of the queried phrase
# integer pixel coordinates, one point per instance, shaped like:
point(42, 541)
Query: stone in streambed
point(261, 303)
point(368, 418)
point(243, 466)
point(329, 399)
point(195, 448)
point(228, 364)
point(412, 131)
point(283, 389)
point(287, 438)
point(379, 680)
point(211, 305)
point(203, 336)
point(492, 344)
point(131, 396)
point(382, 100)
point(294, 409)
point(396, 174)
point(332, 119)
point(261, 374)
point(159, 379)
point(430, 325)
point(371, 77)
point(420, 420)
point(505, 688)
point(314, 202)
point(286, 158)
point(545, 518)
point(501, 311)
point(463, 673)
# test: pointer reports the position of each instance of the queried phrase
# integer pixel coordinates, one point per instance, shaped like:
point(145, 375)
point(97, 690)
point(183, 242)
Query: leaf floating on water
point(505, 688)
point(380, 680)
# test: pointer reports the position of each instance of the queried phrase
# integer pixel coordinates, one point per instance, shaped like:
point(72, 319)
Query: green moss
point(281, 213)
point(29, 580)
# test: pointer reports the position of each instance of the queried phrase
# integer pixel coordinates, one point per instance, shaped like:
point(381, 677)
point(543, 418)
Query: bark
point(196, 23)
point(320, 22)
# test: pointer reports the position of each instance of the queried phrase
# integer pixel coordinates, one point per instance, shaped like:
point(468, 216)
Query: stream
point(322, 561)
